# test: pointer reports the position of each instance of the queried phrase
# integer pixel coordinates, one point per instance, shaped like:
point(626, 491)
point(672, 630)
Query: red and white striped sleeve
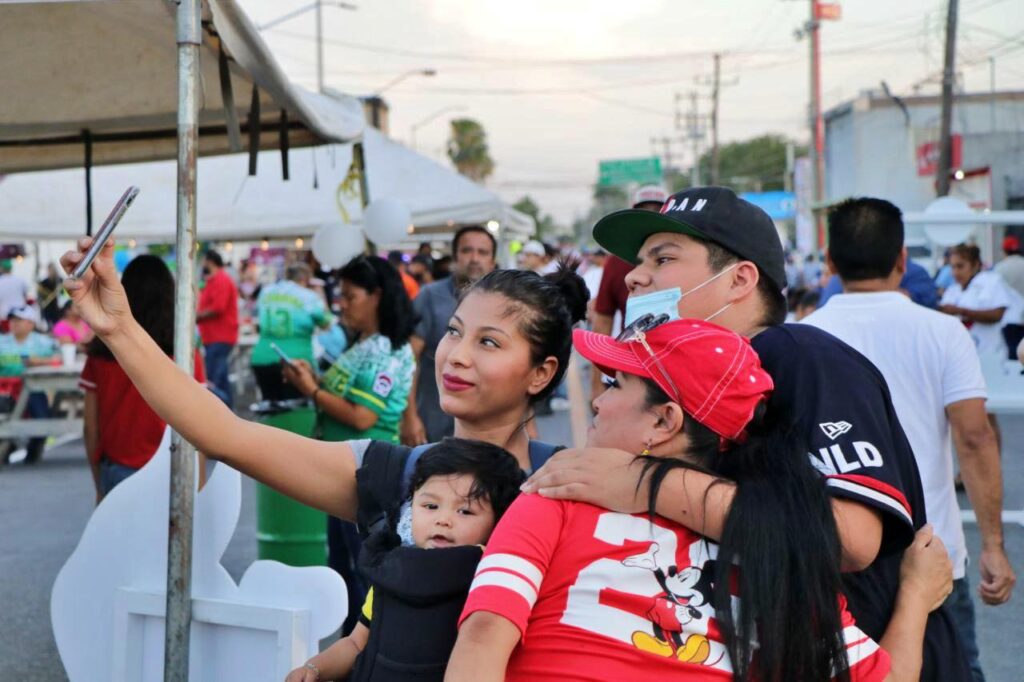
point(867, 660)
point(512, 569)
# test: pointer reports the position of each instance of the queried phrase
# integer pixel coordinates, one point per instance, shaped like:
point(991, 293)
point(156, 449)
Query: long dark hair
point(781, 533)
point(550, 306)
point(149, 285)
point(395, 317)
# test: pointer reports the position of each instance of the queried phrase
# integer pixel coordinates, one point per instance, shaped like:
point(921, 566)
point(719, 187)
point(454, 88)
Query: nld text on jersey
point(834, 460)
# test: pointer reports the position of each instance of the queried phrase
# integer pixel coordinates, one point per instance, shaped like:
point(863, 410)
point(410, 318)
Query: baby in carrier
point(459, 489)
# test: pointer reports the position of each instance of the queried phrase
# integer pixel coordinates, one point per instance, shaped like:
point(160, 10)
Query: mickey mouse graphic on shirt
point(683, 592)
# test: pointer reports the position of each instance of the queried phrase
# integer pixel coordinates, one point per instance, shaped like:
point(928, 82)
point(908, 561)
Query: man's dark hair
point(865, 238)
point(496, 473)
point(719, 258)
point(474, 228)
point(395, 258)
point(214, 258)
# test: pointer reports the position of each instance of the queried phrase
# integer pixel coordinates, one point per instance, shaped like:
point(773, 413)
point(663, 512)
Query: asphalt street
point(44, 508)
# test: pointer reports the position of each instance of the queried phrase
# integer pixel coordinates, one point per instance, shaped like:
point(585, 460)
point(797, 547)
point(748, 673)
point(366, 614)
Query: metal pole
point(179, 536)
point(946, 125)
point(817, 125)
point(714, 118)
point(87, 136)
point(694, 133)
point(992, 90)
point(319, 46)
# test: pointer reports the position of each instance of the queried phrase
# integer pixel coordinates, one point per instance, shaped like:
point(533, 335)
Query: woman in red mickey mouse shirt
point(570, 591)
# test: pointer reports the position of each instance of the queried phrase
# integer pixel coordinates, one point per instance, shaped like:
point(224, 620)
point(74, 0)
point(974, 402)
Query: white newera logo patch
point(835, 429)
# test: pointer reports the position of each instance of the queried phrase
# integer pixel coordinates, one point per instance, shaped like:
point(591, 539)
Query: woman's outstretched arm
point(321, 475)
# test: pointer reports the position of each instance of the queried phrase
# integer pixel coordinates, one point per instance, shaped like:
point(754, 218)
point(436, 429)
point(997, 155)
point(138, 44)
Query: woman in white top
point(981, 299)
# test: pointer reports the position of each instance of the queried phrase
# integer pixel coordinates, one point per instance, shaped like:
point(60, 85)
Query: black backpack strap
point(541, 452)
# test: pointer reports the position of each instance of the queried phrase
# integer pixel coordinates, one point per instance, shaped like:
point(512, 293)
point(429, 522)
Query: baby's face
point(444, 516)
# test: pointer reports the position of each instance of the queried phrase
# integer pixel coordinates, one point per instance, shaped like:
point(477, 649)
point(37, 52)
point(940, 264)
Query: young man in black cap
point(710, 255)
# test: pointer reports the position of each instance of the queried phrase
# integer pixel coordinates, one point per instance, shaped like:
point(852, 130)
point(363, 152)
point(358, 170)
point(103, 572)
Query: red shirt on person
point(599, 595)
point(612, 294)
point(221, 296)
point(130, 431)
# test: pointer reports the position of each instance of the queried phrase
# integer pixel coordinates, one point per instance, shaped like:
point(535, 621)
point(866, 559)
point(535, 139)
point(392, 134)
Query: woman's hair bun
point(572, 287)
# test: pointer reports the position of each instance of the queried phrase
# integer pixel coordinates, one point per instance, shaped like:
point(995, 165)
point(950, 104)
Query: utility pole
point(715, 83)
point(695, 133)
point(992, 91)
point(319, 47)
point(817, 124)
point(946, 125)
point(666, 143)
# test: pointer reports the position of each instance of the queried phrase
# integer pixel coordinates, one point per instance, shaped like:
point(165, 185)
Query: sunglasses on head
point(636, 331)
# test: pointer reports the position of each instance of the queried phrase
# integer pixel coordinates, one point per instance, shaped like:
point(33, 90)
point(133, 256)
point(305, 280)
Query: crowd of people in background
point(421, 365)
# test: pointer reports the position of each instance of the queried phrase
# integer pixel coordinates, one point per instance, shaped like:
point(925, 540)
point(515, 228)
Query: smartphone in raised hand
point(106, 230)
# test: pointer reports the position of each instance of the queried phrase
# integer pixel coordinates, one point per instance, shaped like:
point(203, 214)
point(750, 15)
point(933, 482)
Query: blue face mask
point(666, 301)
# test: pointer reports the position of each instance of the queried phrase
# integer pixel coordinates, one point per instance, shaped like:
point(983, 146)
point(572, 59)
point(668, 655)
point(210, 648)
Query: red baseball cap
point(717, 372)
point(1011, 244)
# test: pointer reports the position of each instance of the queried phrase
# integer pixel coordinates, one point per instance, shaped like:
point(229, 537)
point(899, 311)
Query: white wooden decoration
point(107, 605)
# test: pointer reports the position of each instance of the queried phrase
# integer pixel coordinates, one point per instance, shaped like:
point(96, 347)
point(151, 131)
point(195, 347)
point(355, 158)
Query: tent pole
point(359, 160)
point(87, 138)
point(178, 617)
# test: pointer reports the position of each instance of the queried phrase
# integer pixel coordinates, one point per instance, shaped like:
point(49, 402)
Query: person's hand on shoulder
point(926, 572)
point(99, 295)
point(600, 476)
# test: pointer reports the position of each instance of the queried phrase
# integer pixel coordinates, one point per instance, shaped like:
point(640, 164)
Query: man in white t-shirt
point(931, 366)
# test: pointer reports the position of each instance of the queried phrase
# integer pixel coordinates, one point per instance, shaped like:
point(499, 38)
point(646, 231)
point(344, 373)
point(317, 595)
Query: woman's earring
point(647, 451)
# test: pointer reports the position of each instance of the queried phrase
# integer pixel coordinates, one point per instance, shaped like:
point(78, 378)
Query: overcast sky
point(562, 84)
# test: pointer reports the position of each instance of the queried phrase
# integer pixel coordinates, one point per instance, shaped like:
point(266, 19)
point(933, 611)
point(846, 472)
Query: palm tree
point(467, 148)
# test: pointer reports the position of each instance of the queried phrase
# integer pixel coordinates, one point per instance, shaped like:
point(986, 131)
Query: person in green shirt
point(364, 393)
point(289, 312)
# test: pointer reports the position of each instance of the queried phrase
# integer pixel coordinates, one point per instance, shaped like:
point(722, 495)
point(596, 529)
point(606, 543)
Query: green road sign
point(624, 171)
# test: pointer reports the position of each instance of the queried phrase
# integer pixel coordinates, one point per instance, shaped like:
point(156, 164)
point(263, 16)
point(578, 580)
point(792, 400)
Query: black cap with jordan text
point(713, 214)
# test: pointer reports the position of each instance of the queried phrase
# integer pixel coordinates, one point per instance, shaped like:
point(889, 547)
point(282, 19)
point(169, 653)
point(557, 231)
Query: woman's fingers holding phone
point(98, 293)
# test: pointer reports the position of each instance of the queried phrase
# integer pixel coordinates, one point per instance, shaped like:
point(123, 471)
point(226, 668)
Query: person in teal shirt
point(364, 393)
point(289, 313)
point(25, 347)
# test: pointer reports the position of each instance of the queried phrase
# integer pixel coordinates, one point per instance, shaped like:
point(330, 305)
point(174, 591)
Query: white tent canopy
point(105, 71)
point(235, 206)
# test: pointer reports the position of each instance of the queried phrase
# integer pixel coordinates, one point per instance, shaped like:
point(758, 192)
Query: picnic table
point(46, 379)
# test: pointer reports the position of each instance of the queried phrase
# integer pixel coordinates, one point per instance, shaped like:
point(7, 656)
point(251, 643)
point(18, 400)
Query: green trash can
point(286, 530)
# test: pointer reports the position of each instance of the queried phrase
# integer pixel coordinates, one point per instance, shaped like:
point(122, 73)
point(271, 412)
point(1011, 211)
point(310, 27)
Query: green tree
point(754, 165)
point(544, 224)
point(467, 148)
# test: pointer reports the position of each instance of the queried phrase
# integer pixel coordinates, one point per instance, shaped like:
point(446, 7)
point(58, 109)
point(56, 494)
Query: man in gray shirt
point(474, 250)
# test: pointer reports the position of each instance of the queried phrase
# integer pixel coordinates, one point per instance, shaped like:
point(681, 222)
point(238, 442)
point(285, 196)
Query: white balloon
point(949, 234)
point(387, 221)
point(335, 245)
